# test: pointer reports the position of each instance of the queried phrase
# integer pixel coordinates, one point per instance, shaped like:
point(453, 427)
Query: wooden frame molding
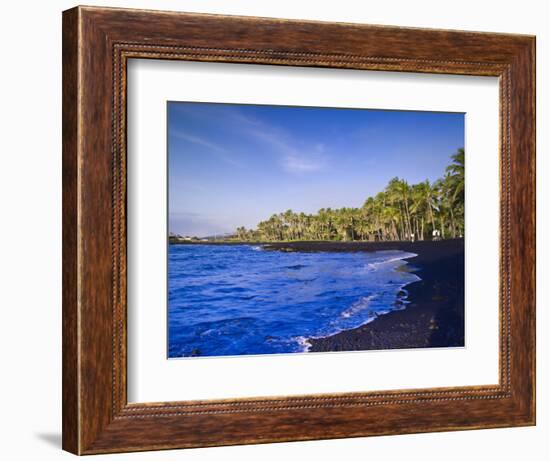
point(97, 43)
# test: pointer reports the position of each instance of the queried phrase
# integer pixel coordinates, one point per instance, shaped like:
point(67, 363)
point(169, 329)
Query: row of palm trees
point(400, 212)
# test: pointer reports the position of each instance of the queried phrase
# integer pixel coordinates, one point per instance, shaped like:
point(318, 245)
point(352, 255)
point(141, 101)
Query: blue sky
point(231, 165)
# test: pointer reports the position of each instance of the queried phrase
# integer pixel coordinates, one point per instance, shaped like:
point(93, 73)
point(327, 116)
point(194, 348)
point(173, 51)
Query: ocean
point(230, 300)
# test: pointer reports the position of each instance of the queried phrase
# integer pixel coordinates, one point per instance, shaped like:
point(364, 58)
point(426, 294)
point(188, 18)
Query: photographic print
point(313, 229)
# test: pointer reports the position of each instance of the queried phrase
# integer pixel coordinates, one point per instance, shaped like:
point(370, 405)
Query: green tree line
point(401, 211)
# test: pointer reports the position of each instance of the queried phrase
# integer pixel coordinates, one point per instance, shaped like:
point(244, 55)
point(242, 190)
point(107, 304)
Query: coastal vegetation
point(402, 211)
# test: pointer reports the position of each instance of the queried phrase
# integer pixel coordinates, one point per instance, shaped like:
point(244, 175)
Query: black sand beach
point(434, 316)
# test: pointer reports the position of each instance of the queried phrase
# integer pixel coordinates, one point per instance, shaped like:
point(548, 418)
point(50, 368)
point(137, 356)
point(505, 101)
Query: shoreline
point(434, 314)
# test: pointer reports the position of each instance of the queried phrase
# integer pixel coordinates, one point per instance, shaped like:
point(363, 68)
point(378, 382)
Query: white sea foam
point(358, 306)
point(403, 255)
point(368, 308)
point(282, 301)
point(304, 343)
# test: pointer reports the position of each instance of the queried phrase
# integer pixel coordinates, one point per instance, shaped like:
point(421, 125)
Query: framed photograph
point(284, 230)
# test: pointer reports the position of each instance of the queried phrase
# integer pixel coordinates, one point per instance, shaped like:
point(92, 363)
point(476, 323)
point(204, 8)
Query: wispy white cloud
point(220, 152)
point(301, 164)
point(196, 140)
point(293, 158)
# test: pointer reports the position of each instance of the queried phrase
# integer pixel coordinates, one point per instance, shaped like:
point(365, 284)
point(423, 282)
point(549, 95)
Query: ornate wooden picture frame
point(97, 44)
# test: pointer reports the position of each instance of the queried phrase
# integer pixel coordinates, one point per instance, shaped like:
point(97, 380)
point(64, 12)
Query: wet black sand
point(433, 318)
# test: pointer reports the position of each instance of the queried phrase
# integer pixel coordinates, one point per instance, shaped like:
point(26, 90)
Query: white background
point(153, 378)
point(30, 235)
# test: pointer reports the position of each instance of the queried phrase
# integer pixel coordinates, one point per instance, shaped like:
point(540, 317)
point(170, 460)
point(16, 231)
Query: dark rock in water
point(195, 353)
point(296, 267)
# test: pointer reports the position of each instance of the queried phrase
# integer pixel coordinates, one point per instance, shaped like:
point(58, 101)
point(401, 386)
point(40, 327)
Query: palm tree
point(396, 213)
point(457, 170)
point(241, 233)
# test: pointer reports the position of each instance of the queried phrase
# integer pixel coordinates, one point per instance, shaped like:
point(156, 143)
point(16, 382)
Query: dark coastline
point(434, 316)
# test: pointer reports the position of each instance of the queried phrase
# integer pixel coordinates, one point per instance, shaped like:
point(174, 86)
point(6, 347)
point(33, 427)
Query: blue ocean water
point(240, 299)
